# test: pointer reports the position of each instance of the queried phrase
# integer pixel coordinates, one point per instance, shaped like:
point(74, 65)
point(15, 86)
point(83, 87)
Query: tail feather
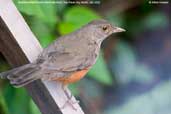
point(4, 75)
point(22, 72)
point(22, 75)
point(24, 78)
point(23, 83)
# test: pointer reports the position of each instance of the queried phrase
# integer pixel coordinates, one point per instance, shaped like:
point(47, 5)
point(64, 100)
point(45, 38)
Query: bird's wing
point(63, 62)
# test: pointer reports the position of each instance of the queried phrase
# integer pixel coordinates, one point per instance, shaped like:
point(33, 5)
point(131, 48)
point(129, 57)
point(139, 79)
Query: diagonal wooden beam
point(19, 46)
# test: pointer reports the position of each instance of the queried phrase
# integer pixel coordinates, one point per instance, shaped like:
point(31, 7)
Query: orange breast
point(76, 76)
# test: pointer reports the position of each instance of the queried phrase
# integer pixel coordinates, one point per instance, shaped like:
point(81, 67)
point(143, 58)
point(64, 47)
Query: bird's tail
point(23, 75)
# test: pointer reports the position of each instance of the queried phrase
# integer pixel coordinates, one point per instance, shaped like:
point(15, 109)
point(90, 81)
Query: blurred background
point(133, 72)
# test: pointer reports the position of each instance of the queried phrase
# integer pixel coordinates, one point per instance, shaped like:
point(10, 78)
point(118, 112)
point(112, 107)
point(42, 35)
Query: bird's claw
point(71, 103)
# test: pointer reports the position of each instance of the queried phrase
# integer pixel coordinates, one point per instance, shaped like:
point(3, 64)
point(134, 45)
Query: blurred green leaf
point(76, 17)
point(42, 31)
point(33, 108)
point(20, 102)
point(3, 106)
point(44, 12)
point(17, 100)
point(66, 27)
point(80, 15)
point(100, 72)
point(42, 22)
point(74, 88)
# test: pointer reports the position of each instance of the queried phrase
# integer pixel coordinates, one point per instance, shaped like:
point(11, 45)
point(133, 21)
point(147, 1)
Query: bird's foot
point(71, 103)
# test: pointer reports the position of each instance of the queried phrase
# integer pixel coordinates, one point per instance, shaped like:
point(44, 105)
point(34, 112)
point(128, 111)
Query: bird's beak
point(117, 29)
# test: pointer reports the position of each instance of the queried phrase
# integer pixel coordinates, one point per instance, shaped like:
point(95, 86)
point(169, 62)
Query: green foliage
point(42, 31)
point(3, 106)
point(100, 72)
point(76, 17)
point(74, 88)
point(42, 19)
point(17, 100)
point(44, 12)
point(33, 108)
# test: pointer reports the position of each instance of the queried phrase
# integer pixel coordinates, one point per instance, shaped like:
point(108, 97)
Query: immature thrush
point(67, 59)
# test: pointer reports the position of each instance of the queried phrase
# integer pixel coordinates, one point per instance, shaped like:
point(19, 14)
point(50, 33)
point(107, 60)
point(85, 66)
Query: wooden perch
point(19, 46)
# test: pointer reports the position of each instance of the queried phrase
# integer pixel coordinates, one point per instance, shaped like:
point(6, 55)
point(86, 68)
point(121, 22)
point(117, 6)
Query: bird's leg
point(69, 98)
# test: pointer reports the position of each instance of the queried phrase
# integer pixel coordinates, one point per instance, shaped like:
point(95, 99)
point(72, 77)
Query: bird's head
point(101, 29)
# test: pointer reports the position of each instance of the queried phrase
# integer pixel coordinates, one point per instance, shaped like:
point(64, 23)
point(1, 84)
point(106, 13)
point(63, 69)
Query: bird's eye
point(105, 28)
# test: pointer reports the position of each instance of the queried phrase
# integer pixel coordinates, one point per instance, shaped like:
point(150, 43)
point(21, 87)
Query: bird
point(67, 59)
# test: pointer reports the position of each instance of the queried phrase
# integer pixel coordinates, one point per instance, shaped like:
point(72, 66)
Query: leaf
point(33, 108)
point(3, 106)
point(74, 88)
point(76, 17)
point(42, 19)
point(80, 15)
point(42, 32)
point(44, 12)
point(100, 72)
point(16, 99)
point(66, 27)
point(21, 99)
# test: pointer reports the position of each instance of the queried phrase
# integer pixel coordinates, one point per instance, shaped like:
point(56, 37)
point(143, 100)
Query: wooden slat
point(19, 46)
